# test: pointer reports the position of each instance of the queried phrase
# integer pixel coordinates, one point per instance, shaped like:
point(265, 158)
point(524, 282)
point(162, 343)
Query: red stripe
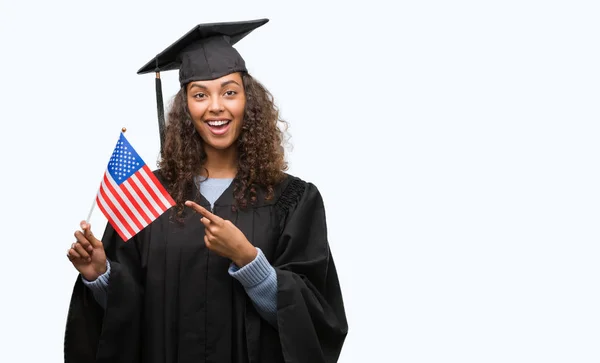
point(158, 184)
point(116, 212)
point(110, 220)
point(122, 203)
point(150, 191)
point(143, 198)
point(135, 203)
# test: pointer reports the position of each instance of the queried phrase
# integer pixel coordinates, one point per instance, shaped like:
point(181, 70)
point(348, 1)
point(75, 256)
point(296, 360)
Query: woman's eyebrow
point(198, 85)
point(229, 82)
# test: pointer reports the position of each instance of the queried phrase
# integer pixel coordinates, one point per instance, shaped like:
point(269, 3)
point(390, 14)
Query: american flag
point(130, 195)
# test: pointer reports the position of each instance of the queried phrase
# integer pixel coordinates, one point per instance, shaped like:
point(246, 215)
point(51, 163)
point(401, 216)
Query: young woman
point(240, 269)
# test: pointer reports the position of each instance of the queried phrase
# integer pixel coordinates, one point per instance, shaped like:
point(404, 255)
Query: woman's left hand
point(224, 238)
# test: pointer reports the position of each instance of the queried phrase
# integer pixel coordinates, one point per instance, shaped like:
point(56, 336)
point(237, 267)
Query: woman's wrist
point(101, 270)
point(247, 255)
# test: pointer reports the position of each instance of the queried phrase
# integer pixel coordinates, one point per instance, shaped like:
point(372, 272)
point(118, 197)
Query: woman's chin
point(220, 145)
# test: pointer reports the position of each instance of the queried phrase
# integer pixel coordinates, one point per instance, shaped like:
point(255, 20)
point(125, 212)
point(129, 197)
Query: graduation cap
point(206, 52)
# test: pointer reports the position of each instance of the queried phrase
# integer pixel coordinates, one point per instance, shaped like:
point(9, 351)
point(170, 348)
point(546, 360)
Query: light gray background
point(455, 144)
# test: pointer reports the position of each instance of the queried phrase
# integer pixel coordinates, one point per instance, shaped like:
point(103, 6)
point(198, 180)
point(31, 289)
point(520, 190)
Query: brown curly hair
point(261, 161)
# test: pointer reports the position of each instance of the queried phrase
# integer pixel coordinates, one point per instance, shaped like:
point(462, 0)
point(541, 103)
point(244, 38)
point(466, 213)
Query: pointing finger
point(198, 208)
point(203, 211)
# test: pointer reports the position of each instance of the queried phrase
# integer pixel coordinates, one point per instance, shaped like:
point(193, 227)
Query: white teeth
point(218, 123)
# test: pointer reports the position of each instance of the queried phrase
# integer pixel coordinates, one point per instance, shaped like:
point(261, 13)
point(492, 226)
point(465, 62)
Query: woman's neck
point(220, 163)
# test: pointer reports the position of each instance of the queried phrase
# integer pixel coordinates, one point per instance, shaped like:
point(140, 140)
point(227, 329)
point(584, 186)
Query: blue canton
point(124, 161)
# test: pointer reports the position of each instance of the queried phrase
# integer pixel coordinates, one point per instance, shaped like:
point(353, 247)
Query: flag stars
point(123, 162)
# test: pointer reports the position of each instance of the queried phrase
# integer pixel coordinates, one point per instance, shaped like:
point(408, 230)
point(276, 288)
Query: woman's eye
point(199, 95)
point(230, 93)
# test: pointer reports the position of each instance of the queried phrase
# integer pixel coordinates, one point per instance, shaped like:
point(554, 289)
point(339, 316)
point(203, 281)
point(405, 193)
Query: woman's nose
point(216, 105)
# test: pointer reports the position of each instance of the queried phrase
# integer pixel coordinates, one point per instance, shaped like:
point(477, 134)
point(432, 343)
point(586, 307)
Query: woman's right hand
point(87, 254)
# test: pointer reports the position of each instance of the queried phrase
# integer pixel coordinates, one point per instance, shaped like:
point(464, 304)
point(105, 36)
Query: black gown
point(172, 300)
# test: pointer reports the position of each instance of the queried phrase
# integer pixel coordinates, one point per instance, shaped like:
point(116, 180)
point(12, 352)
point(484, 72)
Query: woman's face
point(217, 109)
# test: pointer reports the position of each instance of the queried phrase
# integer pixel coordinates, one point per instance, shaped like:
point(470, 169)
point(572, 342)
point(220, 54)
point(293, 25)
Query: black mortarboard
point(205, 52)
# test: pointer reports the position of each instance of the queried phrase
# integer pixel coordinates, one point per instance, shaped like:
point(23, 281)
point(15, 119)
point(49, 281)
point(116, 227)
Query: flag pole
point(94, 202)
point(90, 213)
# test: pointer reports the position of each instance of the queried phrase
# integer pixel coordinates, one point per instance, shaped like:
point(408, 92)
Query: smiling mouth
point(218, 127)
point(218, 123)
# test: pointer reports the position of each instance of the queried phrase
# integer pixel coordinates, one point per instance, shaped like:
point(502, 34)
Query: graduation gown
point(171, 300)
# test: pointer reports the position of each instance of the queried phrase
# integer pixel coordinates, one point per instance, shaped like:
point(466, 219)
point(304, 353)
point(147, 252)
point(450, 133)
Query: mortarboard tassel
point(161, 111)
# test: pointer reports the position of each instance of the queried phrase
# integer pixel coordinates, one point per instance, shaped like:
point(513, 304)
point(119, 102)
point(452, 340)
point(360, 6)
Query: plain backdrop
point(455, 143)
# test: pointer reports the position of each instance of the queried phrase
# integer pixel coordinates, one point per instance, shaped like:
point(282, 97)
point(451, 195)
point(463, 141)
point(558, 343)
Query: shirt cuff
point(253, 273)
point(101, 281)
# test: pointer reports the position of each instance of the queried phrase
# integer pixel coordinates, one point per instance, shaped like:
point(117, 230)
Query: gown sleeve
point(94, 334)
point(310, 310)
